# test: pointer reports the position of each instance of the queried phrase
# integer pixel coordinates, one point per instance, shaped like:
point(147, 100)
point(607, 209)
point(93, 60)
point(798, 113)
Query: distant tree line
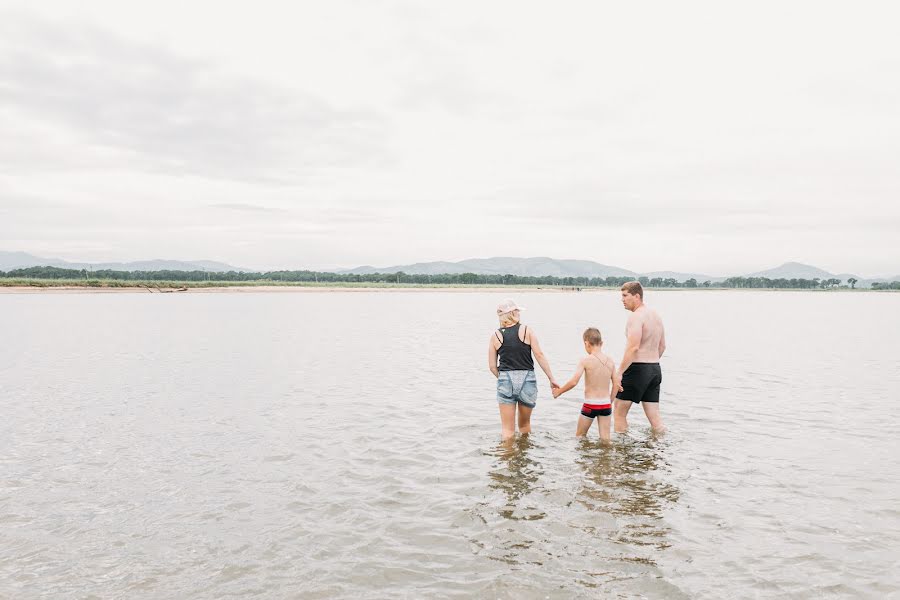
point(783, 283)
point(310, 277)
point(447, 279)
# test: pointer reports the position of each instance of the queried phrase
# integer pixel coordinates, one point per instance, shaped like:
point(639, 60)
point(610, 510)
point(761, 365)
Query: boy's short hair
point(592, 336)
point(634, 288)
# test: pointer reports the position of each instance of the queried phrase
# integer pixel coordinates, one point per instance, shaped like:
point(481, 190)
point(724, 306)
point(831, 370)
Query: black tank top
point(515, 355)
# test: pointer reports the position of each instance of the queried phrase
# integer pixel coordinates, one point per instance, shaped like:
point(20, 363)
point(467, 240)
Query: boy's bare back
point(598, 374)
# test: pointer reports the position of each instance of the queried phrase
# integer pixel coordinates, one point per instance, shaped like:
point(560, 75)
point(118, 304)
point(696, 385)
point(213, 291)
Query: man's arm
point(493, 346)
point(541, 358)
point(662, 339)
point(614, 384)
point(572, 382)
point(633, 332)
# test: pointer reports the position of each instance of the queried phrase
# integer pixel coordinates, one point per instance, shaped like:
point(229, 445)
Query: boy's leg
point(651, 409)
point(603, 426)
point(507, 420)
point(620, 414)
point(583, 426)
point(524, 417)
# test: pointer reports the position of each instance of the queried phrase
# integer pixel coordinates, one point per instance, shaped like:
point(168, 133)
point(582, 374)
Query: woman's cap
point(508, 305)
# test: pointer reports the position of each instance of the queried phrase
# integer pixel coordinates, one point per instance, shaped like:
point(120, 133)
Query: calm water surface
point(345, 445)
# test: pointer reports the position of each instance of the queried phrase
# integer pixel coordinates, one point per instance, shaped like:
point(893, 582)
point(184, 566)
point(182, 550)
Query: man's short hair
point(634, 288)
point(592, 336)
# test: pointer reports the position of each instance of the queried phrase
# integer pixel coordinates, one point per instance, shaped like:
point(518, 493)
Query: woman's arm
point(540, 357)
point(493, 346)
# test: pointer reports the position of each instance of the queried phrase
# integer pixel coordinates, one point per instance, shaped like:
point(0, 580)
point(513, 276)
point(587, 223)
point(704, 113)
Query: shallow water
point(324, 445)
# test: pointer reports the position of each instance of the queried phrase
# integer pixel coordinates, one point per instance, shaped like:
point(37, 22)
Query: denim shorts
point(517, 386)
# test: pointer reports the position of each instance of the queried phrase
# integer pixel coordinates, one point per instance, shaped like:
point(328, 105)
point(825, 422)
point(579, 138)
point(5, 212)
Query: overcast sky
point(715, 137)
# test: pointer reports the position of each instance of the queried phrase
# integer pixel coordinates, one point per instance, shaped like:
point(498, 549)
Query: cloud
point(247, 207)
point(392, 133)
point(162, 112)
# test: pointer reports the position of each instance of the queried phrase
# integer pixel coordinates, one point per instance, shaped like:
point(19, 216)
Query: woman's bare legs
point(507, 421)
point(524, 418)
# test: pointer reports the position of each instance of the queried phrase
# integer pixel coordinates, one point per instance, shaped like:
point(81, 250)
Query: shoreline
point(192, 288)
point(243, 289)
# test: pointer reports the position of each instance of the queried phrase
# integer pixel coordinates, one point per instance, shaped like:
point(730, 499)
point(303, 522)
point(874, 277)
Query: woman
point(514, 344)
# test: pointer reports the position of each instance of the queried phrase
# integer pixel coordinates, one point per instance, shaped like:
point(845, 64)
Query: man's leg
point(583, 426)
point(524, 418)
point(507, 421)
point(651, 405)
point(651, 409)
point(620, 414)
point(603, 426)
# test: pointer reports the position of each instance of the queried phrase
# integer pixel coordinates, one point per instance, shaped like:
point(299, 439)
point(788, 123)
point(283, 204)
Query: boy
point(599, 373)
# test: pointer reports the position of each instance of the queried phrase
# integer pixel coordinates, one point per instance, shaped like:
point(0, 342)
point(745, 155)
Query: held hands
point(617, 384)
point(554, 388)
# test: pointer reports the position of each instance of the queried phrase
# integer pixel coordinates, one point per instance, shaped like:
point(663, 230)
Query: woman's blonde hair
point(508, 319)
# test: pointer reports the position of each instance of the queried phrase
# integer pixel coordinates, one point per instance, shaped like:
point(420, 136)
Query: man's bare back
point(652, 334)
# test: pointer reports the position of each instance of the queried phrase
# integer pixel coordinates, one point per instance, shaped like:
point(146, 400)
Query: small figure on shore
point(513, 344)
point(599, 372)
point(640, 375)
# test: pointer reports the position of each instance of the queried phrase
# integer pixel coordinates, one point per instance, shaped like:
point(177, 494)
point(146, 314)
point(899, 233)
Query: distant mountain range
point(538, 266)
point(21, 260)
point(501, 265)
point(525, 267)
point(795, 270)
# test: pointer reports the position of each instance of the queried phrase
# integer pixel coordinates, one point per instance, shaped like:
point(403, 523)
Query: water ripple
point(265, 445)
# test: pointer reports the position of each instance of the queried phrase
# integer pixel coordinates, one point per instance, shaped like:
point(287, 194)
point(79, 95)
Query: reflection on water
point(515, 473)
point(625, 481)
point(596, 512)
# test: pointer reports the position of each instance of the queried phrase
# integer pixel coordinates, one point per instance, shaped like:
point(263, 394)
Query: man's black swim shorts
point(640, 383)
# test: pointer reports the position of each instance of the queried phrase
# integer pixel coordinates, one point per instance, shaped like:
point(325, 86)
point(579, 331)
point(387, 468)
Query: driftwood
point(162, 291)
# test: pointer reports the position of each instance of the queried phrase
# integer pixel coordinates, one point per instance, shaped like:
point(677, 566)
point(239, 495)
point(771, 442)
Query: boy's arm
point(579, 371)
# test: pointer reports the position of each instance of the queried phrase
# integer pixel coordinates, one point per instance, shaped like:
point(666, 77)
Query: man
point(639, 375)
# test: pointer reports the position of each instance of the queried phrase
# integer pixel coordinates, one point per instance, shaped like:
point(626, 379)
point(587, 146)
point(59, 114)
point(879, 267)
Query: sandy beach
point(245, 289)
point(319, 289)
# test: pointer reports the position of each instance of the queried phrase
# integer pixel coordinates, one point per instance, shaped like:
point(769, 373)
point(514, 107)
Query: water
point(345, 445)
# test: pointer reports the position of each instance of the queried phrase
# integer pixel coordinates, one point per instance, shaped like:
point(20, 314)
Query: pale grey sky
point(693, 136)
